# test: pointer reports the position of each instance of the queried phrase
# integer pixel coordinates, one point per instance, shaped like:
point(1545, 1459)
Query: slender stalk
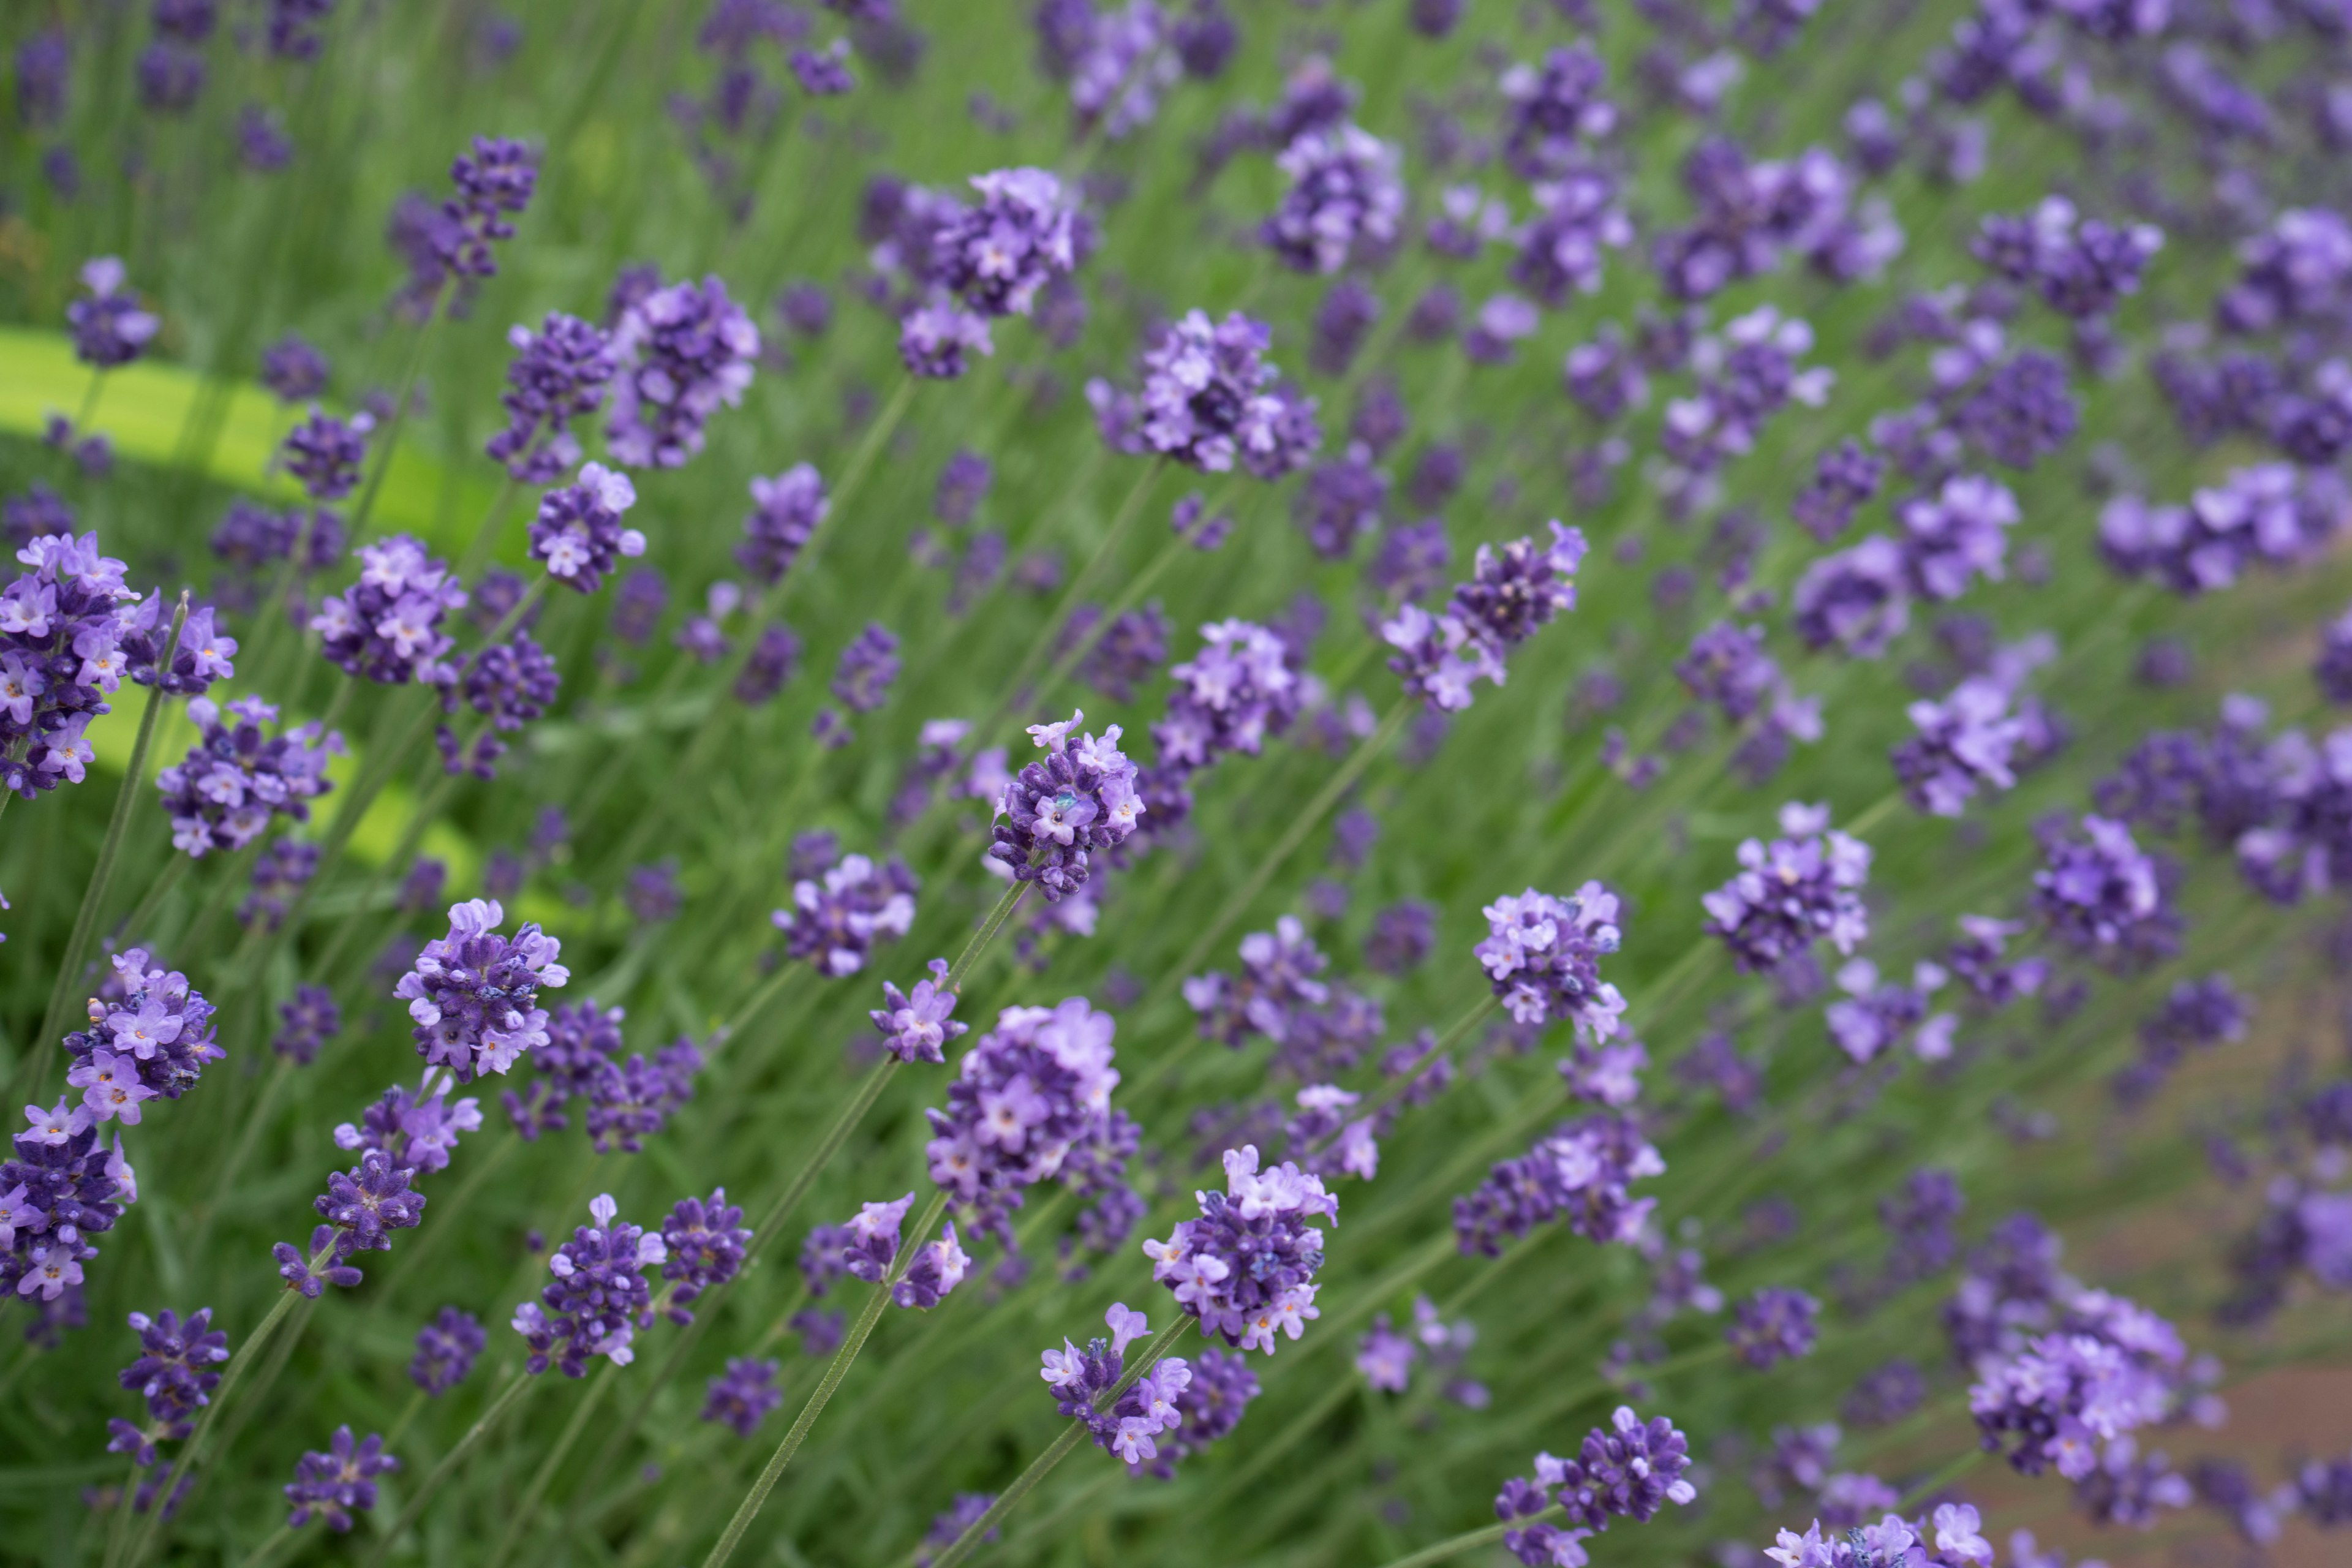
point(157, 891)
point(520, 1521)
point(247, 1137)
point(1043, 1465)
point(406, 1418)
point(1273, 859)
point(392, 428)
point(1453, 1546)
point(521, 1383)
point(837, 1369)
point(270, 1548)
point(102, 876)
point(853, 475)
point(1938, 1480)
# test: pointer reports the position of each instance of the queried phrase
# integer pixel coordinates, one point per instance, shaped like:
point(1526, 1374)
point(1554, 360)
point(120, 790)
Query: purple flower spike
point(558, 375)
point(1627, 1470)
point(325, 454)
point(1029, 1102)
point(1054, 814)
point(1774, 1324)
point(150, 1035)
point(336, 1484)
point(915, 1026)
point(109, 329)
point(997, 256)
point(387, 626)
point(785, 513)
point(578, 531)
point(742, 1396)
point(1582, 1170)
point(1542, 955)
point(682, 352)
point(1513, 592)
point(706, 1241)
point(1206, 399)
point(62, 628)
point(599, 1299)
point(2102, 894)
point(938, 1267)
point(1793, 892)
point(842, 908)
point(474, 993)
point(1246, 1267)
point(445, 1350)
point(1343, 203)
point(224, 795)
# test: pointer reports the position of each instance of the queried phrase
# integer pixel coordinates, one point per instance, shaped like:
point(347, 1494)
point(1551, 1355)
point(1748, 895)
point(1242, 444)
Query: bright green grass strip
point(144, 407)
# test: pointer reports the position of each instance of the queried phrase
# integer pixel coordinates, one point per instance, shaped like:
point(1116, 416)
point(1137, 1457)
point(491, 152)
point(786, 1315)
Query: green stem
point(1073, 1433)
point(392, 428)
point(270, 1548)
point(102, 876)
point(1470, 1541)
point(521, 1384)
point(1942, 1478)
point(837, 1369)
point(1273, 859)
point(961, 968)
point(853, 476)
point(520, 1519)
point(247, 1137)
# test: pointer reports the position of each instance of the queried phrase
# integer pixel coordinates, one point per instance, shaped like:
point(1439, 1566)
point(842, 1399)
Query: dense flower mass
point(109, 327)
point(1628, 1469)
point(1543, 954)
point(785, 513)
point(997, 255)
point(1344, 200)
point(1146, 1407)
point(578, 531)
point(1793, 892)
point(599, 1300)
point(387, 626)
point(1031, 1097)
point(1581, 1171)
point(681, 352)
point(842, 905)
point(150, 1036)
point(474, 993)
point(1513, 592)
point(61, 630)
point(2069, 1399)
point(1246, 1268)
point(1055, 815)
point(339, 1482)
point(1206, 400)
point(559, 374)
point(234, 781)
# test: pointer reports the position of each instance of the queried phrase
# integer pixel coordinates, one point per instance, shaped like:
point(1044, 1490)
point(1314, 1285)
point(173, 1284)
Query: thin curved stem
point(835, 1370)
point(511, 1395)
point(520, 1521)
point(1072, 1436)
point(270, 1548)
point(1470, 1541)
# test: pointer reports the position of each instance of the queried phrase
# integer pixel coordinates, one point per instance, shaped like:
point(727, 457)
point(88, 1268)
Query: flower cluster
point(577, 530)
point(509, 684)
point(842, 905)
point(743, 1395)
point(64, 1186)
point(174, 1375)
point(1229, 697)
point(997, 255)
point(1205, 400)
point(2263, 515)
point(1028, 1098)
point(559, 374)
point(705, 1239)
point(1629, 1470)
point(150, 1036)
point(1948, 1540)
point(1542, 953)
point(599, 1299)
point(1773, 1325)
point(387, 626)
point(337, 1483)
point(2068, 1398)
point(61, 629)
point(1142, 1411)
point(1054, 814)
point(445, 1350)
point(1512, 593)
point(1793, 892)
point(1343, 202)
point(916, 1024)
point(2082, 268)
point(324, 454)
point(681, 352)
point(1246, 1268)
point(1581, 1171)
point(222, 794)
point(2102, 894)
point(1966, 740)
point(1874, 1017)
point(785, 513)
point(109, 328)
point(474, 993)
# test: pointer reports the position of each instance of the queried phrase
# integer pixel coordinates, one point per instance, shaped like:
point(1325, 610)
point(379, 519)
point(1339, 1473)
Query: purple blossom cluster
point(680, 353)
point(325, 454)
point(917, 1025)
point(1543, 956)
point(64, 1185)
point(2101, 894)
point(109, 327)
point(1245, 1268)
point(62, 625)
point(1343, 203)
point(222, 794)
point(1798, 889)
point(474, 993)
point(559, 374)
point(625, 1099)
point(842, 905)
point(2082, 268)
point(150, 1036)
point(1628, 1469)
point(447, 1349)
point(509, 684)
point(174, 1375)
point(2266, 513)
point(743, 1395)
point(2069, 1399)
point(1511, 594)
point(387, 626)
point(1774, 1324)
point(1580, 1172)
point(578, 531)
point(400, 1137)
point(785, 514)
point(1055, 814)
point(1229, 698)
point(339, 1482)
point(1146, 1408)
point(599, 1300)
point(1030, 1102)
point(1209, 401)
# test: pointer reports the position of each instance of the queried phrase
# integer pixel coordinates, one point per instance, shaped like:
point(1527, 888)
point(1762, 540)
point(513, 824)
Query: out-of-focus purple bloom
point(1343, 202)
point(964, 483)
point(337, 1483)
point(1246, 1267)
point(1793, 892)
point(681, 352)
point(445, 1350)
point(1965, 740)
point(1341, 500)
point(306, 1023)
point(2081, 268)
point(1542, 955)
point(1774, 1324)
point(997, 256)
point(558, 375)
point(225, 793)
point(1511, 594)
point(742, 1396)
point(1581, 1171)
point(109, 328)
point(842, 907)
point(2102, 894)
point(387, 626)
point(1401, 937)
point(294, 370)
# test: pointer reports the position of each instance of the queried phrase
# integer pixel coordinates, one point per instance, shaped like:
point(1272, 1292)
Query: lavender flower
point(1148, 1407)
point(150, 1036)
point(224, 794)
point(937, 338)
point(63, 1187)
point(868, 666)
point(325, 454)
point(578, 531)
point(336, 1484)
point(1031, 1097)
point(2081, 269)
point(915, 1026)
point(937, 1269)
point(785, 512)
point(1205, 400)
point(1964, 740)
point(1343, 202)
point(1542, 955)
point(1957, 535)
point(387, 626)
point(1552, 112)
point(61, 626)
point(1845, 478)
point(1245, 1268)
point(630, 1101)
point(1275, 994)
point(1080, 798)
point(705, 1240)
point(599, 1299)
point(742, 1396)
point(474, 993)
point(1628, 1469)
point(1772, 1325)
point(1793, 892)
point(306, 1024)
point(681, 352)
point(1856, 601)
point(109, 328)
point(2102, 894)
point(1875, 1017)
point(279, 874)
point(1577, 218)
point(1401, 937)
point(445, 1350)
point(842, 908)
point(1581, 1170)
point(293, 369)
point(997, 256)
point(2071, 1398)
point(559, 374)
point(1510, 594)
point(173, 1373)
point(963, 484)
